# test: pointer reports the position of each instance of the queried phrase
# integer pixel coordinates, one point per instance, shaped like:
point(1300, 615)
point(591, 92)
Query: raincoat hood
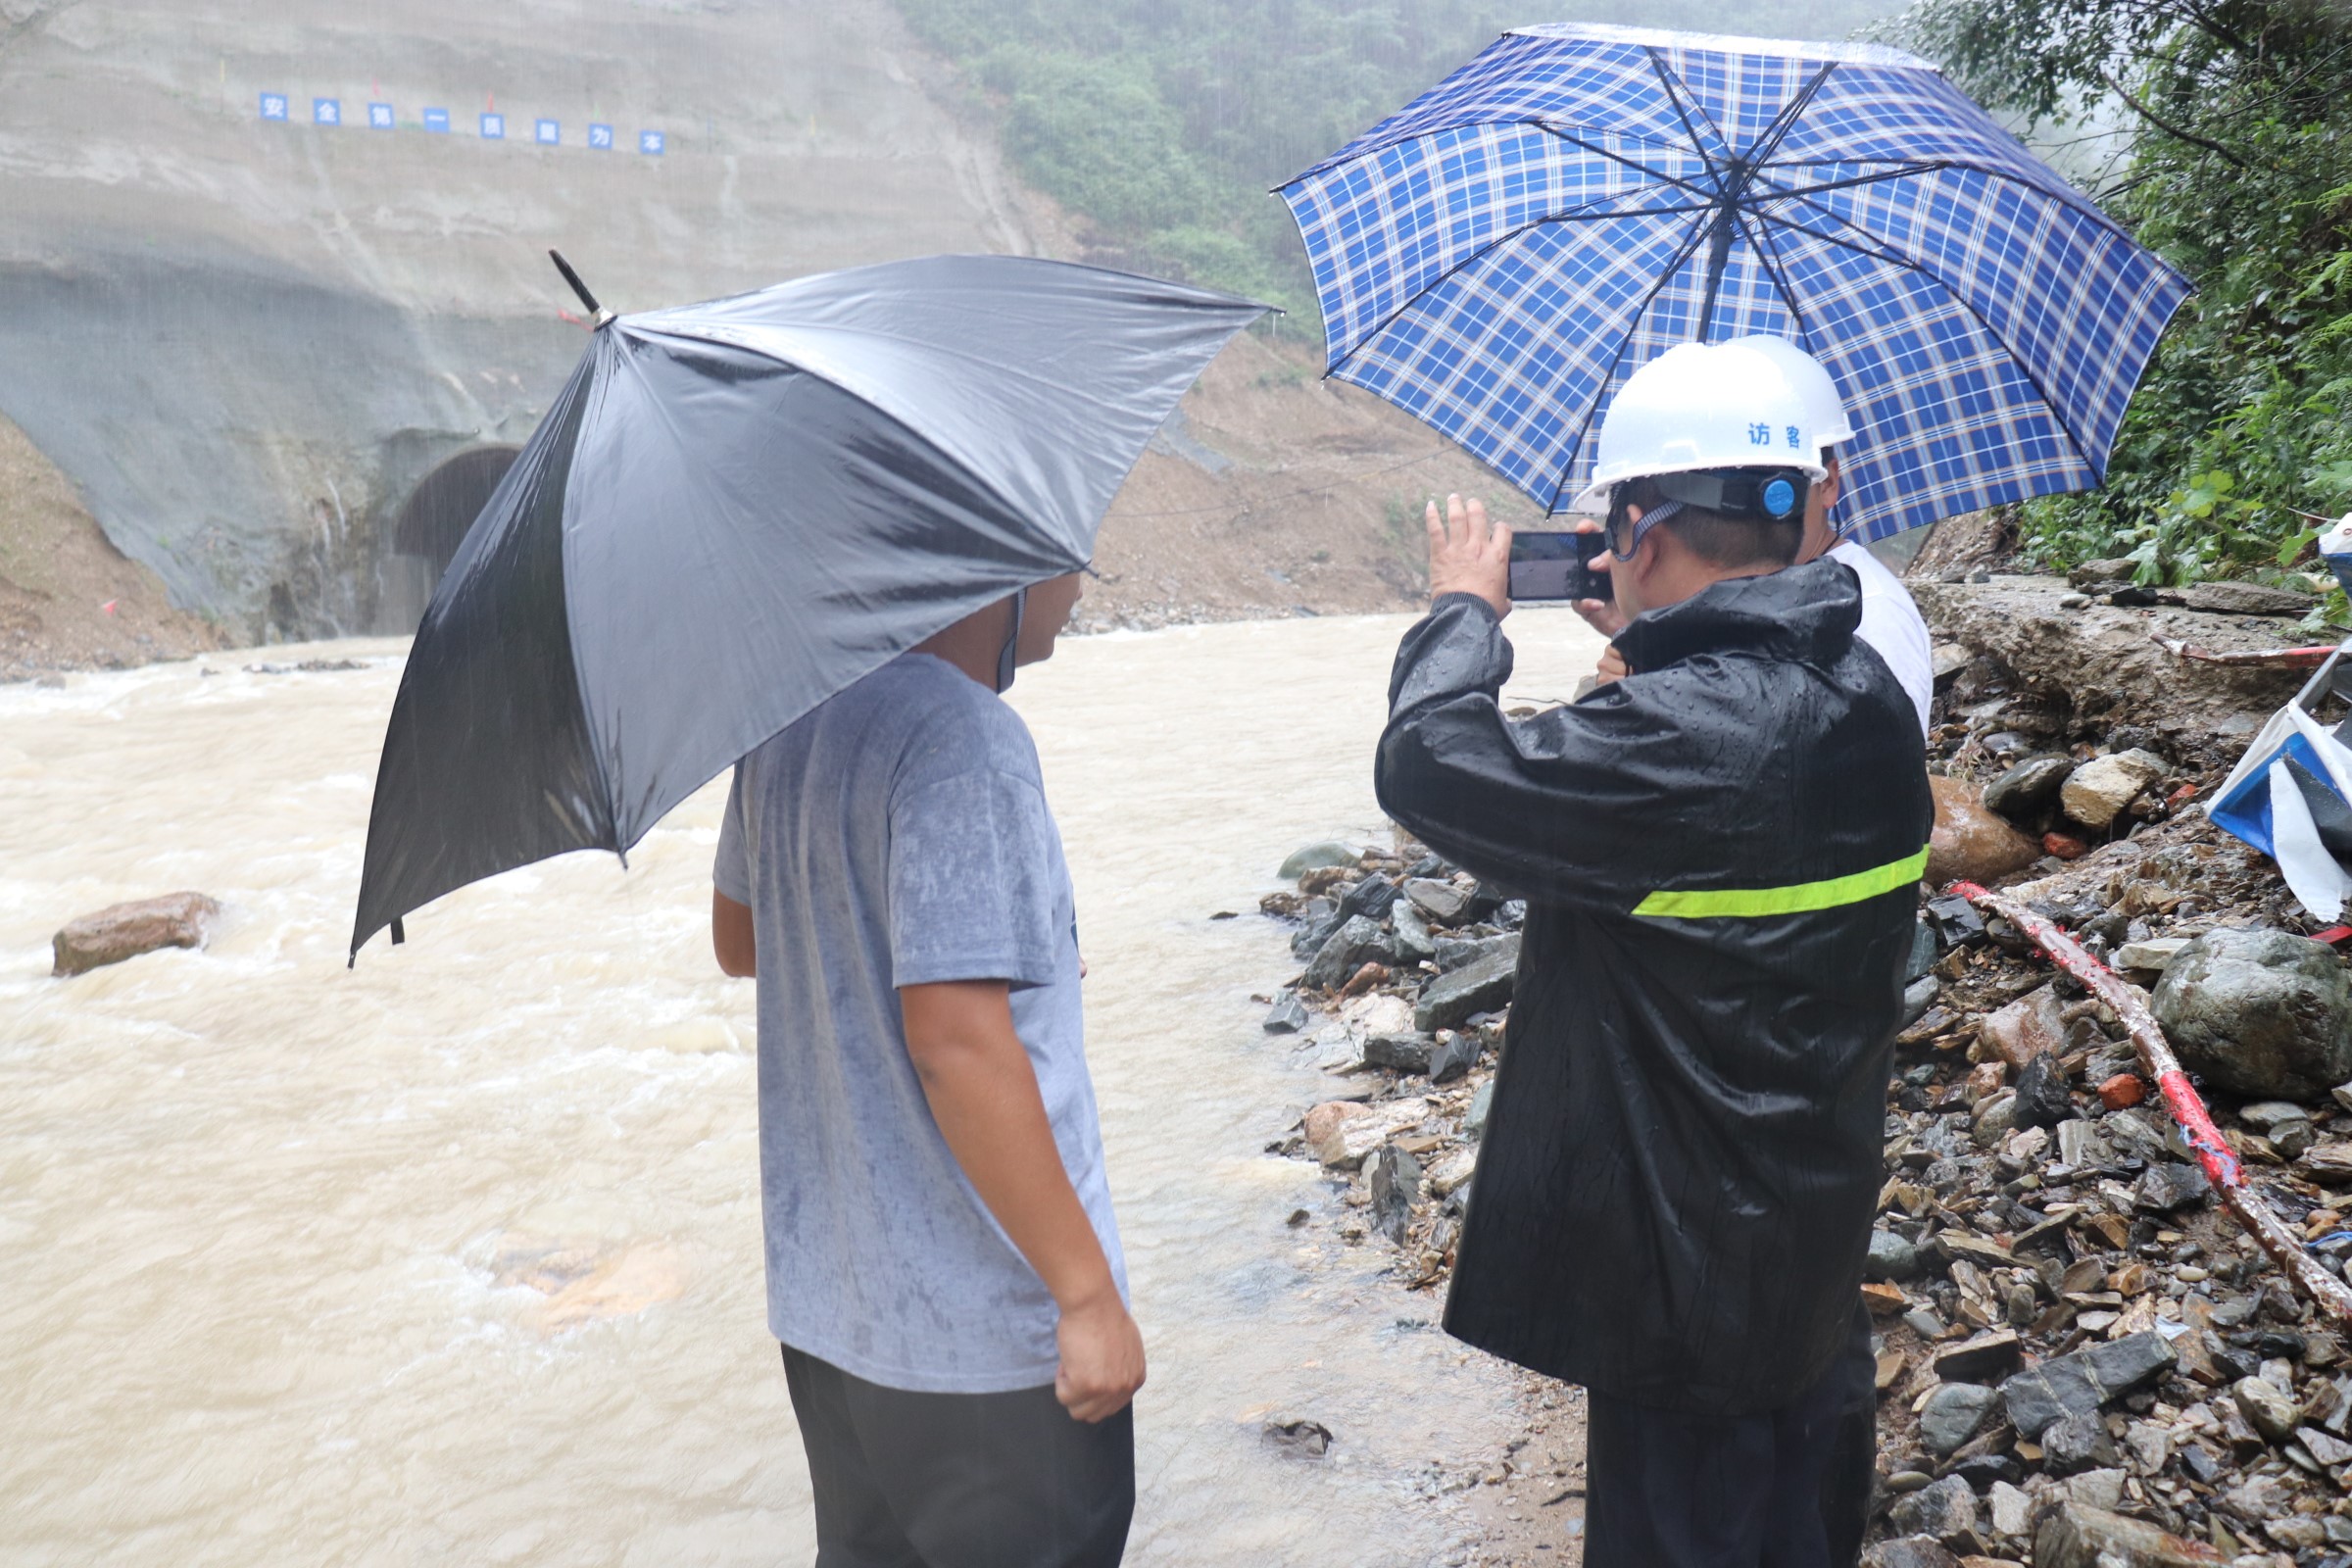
point(1721, 855)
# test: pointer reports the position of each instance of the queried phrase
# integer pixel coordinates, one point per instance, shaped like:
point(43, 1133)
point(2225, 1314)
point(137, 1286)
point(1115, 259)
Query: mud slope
point(68, 599)
point(246, 342)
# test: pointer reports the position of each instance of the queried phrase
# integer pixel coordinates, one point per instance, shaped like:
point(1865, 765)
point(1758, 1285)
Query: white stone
point(1449, 1173)
point(2098, 791)
point(2156, 953)
point(2097, 1488)
point(2012, 1510)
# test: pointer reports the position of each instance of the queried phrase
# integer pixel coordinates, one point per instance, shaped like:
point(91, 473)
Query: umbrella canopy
point(734, 511)
point(1499, 256)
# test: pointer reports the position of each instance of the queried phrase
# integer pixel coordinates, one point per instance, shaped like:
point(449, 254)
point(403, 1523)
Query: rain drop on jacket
point(1721, 857)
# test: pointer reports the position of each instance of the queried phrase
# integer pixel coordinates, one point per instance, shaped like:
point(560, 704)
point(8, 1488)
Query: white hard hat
point(1813, 384)
point(1701, 405)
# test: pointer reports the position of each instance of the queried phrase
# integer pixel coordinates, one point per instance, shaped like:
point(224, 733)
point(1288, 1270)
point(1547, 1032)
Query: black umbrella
point(734, 511)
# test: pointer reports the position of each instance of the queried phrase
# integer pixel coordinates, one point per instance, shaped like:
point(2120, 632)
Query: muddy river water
point(455, 1257)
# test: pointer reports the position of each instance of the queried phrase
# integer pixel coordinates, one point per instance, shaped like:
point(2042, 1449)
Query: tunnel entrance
point(432, 522)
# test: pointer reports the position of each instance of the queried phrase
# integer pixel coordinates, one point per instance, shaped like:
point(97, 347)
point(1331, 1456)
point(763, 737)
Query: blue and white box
point(379, 117)
point(547, 133)
point(437, 120)
point(494, 128)
point(326, 111)
point(273, 106)
point(599, 137)
point(650, 143)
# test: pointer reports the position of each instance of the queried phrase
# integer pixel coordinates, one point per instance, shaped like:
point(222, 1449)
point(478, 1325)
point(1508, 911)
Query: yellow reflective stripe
point(1800, 899)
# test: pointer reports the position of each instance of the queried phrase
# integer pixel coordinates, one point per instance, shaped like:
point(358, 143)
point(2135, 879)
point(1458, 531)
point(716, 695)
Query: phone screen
point(1557, 565)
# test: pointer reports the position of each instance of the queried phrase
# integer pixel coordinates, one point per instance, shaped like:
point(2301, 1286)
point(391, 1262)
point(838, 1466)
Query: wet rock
point(1328, 854)
point(1359, 941)
point(2098, 791)
point(2168, 1186)
point(2072, 1535)
point(1953, 1415)
point(1986, 1357)
point(1925, 948)
point(1460, 953)
point(1918, 997)
point(1482, 1102)
point(1369, 898)
point(1287, 1016)
point(1341, 1133)
point(1909, 1551)
point(2043, 1096)
point(1395, 1186)
point(2097, 1489)
point(122, 931)
point(1309, 1439)
point(1443, 902)
point(2155, 955)
point(1943, 1512)
point(2123, 1091)
point(1415, 943)
point(2078, 1442)
point(2025, 1029)
point(2259, 1013)
point(1452, 1172)
point(2240, 599)
point(1891, 1258)
point(2271, 1410)
point(2010, 1510)
point(1399, 1053)
point(1970, 841)
point(2028, 789)
point(1995, 1120)
point(2080, 1383)
point(1480, 987)
point(1455, 1054)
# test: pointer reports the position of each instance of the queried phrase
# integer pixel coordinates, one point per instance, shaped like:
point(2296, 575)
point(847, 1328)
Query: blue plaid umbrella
point(1499, 256)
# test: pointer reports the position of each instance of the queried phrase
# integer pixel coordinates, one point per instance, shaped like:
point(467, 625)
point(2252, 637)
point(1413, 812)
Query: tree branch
point(2170, 130)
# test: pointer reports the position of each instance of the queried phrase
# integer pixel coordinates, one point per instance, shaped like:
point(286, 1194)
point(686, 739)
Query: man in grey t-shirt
point(943, 1270)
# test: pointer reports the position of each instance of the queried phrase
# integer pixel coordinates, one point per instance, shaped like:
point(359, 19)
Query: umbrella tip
point(577, 287)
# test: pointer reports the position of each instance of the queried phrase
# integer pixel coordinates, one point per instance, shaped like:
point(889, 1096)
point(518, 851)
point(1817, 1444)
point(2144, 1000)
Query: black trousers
point(959, 1480)
point(1788, 1489)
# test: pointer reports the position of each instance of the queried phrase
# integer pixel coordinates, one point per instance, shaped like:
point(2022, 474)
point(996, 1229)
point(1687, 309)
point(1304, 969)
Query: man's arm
point(983, 1094)
point(732, 936)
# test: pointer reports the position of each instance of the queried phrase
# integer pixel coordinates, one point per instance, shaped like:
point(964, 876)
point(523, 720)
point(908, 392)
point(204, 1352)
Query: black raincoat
point(1721, 855)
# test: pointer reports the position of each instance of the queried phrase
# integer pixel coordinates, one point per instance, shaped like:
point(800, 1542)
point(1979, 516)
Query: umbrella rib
point(1467, 262)
point(2057, 414)
point(1773, 191)
point(1698, 232)
point(1760, 241)
point(1602, 152)
point(1785, 121)
point(1666, 79)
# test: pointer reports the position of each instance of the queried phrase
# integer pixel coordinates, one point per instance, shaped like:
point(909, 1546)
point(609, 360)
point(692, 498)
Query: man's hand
point(1467, 554)
point(1102, 1357)
point(1602, 615)
point(1612, 666)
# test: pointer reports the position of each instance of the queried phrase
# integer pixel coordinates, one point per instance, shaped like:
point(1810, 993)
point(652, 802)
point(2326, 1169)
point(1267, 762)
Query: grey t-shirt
point(898, 835)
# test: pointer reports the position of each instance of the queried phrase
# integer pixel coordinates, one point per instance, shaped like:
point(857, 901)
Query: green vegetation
point(2233, 121)
point(1162, 124)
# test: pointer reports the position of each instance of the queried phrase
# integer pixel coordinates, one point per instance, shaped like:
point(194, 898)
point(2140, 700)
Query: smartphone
point(1558, 567)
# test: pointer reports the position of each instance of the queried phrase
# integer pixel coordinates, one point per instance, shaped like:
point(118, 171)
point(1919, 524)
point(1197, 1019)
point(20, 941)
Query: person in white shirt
point(1890, 621)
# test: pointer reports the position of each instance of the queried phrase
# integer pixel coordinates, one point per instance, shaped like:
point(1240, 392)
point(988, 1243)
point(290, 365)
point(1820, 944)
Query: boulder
point(1455, 1054)
point(1970, 842)
point(2080, 1383)
point(2170, 1185)
point(2043, 1095)
point(1339, 1133)
point(2072, 1535)
point(2077, 1442)
point(2026, 1028)
point(2028, 788)
point(126, 930)
point(1287, 1016)
point(1953, 1413)
point(1356, 941)
point(2259, 1013)
point(1395, 1185)
point(1482, 1102)
point(1455, 953)
point(2271, 1410)
point(1481, 987)
point(1399, 1053)
point(1443, 902)
point(1414, 944)
point(2154, 956)
point(1369, 898)
point(1891, 1258)
point(1943, 1512)
point(1316, 858)
point(2240, 599)
point(2096, 793)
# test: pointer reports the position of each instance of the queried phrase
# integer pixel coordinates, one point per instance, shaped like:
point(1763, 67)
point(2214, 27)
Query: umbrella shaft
point(1719, 245)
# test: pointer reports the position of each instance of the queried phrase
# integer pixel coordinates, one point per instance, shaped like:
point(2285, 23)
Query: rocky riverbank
point(2082, 1357)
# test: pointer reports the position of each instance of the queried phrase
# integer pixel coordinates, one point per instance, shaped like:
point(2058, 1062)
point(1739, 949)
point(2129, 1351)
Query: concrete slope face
point(272, 353)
